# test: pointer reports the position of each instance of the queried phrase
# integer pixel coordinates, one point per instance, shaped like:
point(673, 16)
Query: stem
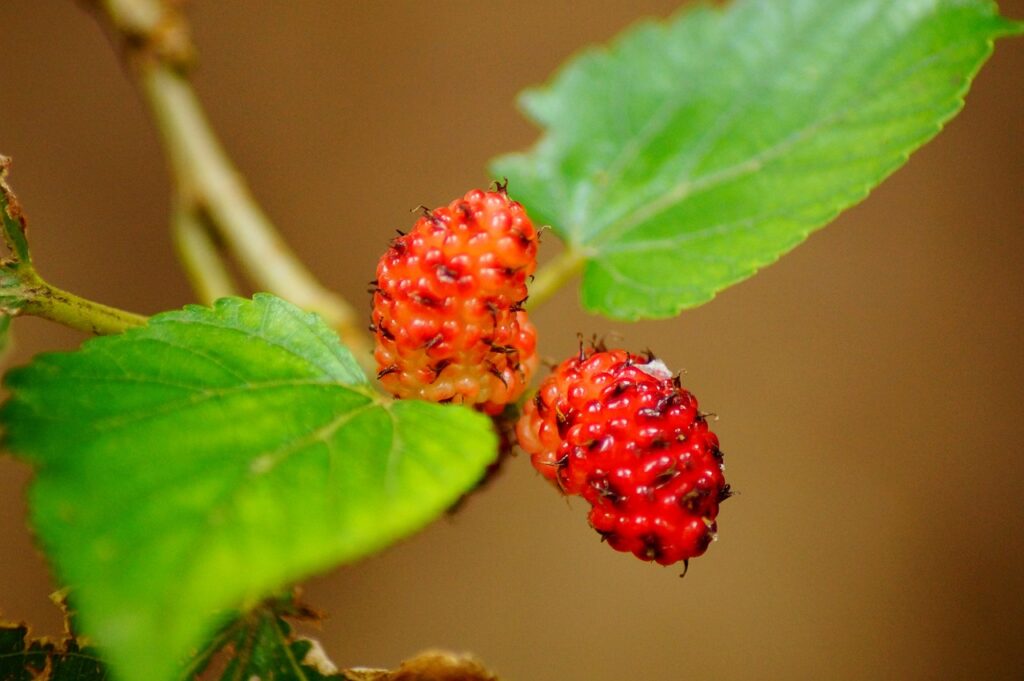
point(206, 178)
point(201, 257)
point(155, 35)
point(49, 302)
point(554, 275)
point(152, 26)
point(23, 291)
point(138, 17)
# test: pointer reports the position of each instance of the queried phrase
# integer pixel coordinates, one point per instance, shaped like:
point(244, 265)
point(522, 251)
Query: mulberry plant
point(672, 163)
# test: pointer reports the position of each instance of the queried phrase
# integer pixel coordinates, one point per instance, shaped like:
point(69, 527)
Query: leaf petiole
point(42, 299)
point(554, 275)
point(23, 291)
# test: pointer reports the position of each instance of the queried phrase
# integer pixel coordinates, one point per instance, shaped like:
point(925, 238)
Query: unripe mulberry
point(620, 431)
point(447, 304)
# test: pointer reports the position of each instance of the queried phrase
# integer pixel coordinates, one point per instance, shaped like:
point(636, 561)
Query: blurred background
point(868, 386)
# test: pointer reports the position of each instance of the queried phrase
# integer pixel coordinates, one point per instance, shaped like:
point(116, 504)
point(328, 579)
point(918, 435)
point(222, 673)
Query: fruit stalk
point(554, 275)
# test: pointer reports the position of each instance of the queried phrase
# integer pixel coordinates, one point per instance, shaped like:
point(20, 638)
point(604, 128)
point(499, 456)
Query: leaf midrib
point(672, 105)
point(198, 397)
point(614, 230)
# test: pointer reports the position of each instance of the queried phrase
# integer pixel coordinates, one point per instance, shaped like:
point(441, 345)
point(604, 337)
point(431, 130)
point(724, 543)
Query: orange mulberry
point(447, 304)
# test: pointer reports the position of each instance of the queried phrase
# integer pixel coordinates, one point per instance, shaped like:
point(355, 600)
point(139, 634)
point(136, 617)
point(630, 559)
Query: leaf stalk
point(554, 275)
point(45, 300)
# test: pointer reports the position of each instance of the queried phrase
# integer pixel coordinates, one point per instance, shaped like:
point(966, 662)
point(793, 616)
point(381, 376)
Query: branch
point(200, 256)
point(156, 41)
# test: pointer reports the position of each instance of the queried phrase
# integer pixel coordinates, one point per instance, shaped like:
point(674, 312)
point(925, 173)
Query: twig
point(201, 257)
point(155, 37)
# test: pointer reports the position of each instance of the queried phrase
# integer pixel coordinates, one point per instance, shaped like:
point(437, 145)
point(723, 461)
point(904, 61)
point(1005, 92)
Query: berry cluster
point(615, 428)
point(620, 431)
point(447, 304)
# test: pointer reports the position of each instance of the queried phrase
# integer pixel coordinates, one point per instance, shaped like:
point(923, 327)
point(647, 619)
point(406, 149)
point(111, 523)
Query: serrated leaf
point(20, 659)
point(23, 658)
point(190, 467)
point(691, 153)
point(262, 645)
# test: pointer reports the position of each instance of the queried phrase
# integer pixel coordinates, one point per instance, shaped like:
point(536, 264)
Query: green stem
point(206, 179)
point(156, 37)
point(49, 302)
point(554, 275)
point(200, 256)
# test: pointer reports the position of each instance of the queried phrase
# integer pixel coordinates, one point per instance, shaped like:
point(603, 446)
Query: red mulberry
point(620, 431)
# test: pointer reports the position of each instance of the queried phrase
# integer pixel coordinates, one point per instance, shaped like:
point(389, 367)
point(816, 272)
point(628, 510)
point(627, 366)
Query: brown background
point(869, 385)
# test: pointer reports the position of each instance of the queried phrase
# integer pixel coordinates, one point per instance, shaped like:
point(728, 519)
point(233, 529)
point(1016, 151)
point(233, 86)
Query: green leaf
point(5, 336)
point(26, 659)
point(20, 658)
point(262, 645)
point(690, 153)
point(188, 468)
